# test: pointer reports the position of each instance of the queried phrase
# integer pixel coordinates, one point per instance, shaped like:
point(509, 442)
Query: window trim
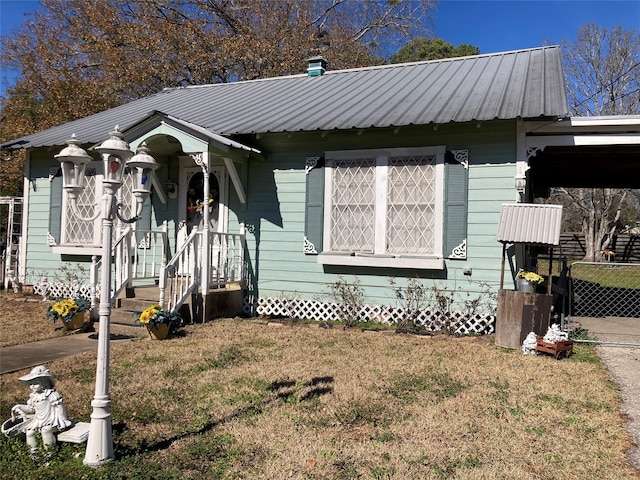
point(83, 249)
point(379, 258)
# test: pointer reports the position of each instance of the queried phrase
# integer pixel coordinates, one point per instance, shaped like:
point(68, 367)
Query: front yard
point(250, 400)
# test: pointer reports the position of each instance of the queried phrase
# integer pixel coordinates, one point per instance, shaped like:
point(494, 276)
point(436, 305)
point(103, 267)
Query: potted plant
point(160, 323)
point(528, 281)
point(70, 311)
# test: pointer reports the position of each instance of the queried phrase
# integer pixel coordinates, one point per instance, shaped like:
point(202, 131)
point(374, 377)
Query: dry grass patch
point(239, 399)
point(23, 319)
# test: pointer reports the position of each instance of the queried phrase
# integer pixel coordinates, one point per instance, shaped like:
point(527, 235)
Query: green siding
point(277, 196)
point(275, 215)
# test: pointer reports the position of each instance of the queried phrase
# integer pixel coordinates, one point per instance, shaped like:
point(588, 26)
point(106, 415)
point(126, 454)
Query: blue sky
point(493, 26)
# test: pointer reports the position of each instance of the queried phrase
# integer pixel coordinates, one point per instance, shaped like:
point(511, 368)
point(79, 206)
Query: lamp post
point(115, 154)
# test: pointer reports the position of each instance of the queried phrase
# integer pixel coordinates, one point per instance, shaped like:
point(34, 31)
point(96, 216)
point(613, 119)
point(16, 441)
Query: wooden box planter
point(560, 349)
point(520, 313)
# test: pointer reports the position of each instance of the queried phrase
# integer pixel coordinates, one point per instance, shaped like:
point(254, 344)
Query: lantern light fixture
point(115, 156)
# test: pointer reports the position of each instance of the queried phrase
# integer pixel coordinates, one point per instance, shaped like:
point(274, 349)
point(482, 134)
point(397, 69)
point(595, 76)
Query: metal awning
point(530, 223)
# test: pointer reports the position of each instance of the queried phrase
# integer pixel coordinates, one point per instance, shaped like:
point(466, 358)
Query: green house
point(374, 178)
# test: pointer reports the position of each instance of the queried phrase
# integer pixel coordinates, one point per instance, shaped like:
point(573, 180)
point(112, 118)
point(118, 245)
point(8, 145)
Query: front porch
point(206, 277)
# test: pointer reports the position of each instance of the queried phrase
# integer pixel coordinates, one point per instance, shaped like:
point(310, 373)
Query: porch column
point(202, 160)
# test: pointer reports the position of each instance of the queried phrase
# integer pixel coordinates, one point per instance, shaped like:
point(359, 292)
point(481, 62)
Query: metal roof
point(530, 223)
point(507, 85)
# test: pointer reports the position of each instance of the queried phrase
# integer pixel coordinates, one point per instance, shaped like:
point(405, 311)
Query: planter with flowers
point(527, 282)
point(160, 323)
point(70, 311)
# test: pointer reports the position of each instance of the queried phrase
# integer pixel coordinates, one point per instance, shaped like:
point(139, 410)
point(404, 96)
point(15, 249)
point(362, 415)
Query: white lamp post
point(73, 159)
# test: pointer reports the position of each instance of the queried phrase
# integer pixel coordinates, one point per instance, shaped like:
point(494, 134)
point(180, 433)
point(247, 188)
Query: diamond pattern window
point(384, 203)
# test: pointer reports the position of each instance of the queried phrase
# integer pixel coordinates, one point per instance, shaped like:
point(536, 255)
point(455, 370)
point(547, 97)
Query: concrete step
point(132, 302)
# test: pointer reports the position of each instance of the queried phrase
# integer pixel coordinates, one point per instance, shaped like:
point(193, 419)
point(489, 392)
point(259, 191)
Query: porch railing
point(181, 276)
point(138, 256)
point(141, 255)
point(183, 273)
point(226, 252)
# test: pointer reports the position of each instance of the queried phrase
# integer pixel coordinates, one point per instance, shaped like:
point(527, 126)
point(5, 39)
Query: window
point(384, 208)
point(66, 230)
point(392, 208)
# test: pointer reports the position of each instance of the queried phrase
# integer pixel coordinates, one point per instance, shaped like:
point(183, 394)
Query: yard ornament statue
point(44, 412)
point(529, 344)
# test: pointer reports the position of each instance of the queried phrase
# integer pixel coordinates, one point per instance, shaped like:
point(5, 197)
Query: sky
point(490, 25)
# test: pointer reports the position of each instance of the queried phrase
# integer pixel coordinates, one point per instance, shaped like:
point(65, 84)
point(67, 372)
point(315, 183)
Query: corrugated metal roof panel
point(507, 85)
point(530, 223)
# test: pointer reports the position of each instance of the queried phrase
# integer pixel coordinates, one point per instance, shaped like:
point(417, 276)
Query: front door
point(192, 202)
point(191, 206)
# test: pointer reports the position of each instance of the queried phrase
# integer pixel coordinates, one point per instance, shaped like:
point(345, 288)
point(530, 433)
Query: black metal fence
point(601, 289)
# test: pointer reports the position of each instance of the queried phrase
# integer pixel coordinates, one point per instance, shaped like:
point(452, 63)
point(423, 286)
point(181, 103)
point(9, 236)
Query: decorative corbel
point(54, 172)
point(310, 164)
point(309, 248)
point(460, 252)
point(533, 151)
point(201, 160)
point(462, 157)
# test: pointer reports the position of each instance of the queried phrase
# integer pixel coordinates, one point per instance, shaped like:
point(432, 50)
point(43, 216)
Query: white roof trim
point(582, 140)
point(227, 142)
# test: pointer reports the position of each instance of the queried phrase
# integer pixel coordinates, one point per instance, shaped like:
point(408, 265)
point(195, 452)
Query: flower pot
point(525, 287)
point(76, 322)
point(159, 333)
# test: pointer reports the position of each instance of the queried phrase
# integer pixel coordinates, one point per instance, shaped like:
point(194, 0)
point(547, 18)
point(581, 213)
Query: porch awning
point(227, 142)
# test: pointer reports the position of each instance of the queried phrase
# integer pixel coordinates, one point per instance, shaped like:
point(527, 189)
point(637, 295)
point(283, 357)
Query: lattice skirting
point(62, 290)
point(434, 321)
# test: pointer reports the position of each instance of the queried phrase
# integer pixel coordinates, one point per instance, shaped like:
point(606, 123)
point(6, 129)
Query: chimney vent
point(316, 66)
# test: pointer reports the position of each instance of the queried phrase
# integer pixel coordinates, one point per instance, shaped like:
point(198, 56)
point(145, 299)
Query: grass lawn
point(619, 275)
point(241, 399)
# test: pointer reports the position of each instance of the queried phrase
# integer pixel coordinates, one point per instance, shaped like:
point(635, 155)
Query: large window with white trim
point(384, 207)
point(69, 227)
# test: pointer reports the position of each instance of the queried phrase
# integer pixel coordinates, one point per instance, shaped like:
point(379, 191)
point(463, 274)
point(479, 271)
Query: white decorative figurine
point(555, 335)
point(529, 344)
point(44, 412)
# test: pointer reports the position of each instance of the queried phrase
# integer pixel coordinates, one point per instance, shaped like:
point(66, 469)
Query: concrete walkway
point(29, 355)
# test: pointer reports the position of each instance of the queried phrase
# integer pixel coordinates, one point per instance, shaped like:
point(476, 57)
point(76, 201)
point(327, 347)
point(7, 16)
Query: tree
point(603, 78)
point(422, 48)
point(77, 57)
point(603, 71)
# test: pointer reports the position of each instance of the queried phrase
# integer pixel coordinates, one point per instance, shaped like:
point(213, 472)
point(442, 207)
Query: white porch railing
point(226, 252)
point(140, 255)
point(181, 275)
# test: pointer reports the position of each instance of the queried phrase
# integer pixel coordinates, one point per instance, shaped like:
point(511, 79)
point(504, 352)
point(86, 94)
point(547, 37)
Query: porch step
point(129, 306)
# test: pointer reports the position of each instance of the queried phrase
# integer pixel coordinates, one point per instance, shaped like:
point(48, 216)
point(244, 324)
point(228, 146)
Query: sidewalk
point(29, 355)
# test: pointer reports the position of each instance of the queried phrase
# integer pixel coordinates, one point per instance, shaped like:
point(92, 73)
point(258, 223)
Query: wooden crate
point(520, 313)
point(560, 349)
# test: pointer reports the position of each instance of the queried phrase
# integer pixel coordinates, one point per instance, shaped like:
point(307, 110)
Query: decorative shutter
point(55, 206)
point(314, 206)
point(456, 198)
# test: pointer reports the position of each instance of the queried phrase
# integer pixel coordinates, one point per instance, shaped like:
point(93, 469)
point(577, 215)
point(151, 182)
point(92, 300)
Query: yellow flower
point(149, 314)
point(530, 277)
point(66, 308)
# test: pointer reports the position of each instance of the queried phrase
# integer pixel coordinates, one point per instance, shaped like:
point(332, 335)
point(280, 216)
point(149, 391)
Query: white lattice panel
point(81, 232)
point(433, 321)
point(62, 290)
